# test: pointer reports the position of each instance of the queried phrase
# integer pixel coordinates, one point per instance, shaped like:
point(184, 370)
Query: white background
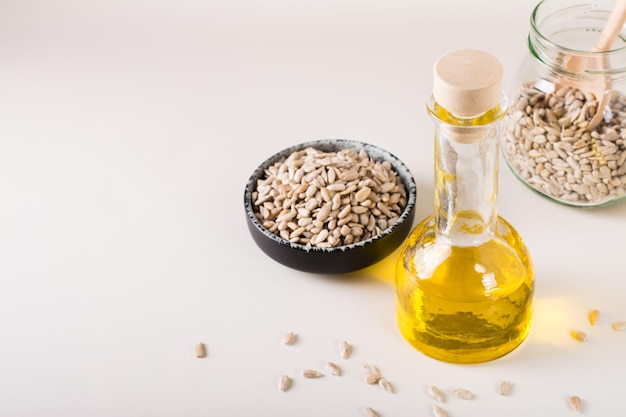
point(128, 129)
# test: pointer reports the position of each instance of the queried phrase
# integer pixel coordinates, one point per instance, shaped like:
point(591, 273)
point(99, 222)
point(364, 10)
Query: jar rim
point(566, 28)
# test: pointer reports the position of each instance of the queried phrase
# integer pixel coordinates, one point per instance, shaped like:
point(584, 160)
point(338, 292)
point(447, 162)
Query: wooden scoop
point(600, 86)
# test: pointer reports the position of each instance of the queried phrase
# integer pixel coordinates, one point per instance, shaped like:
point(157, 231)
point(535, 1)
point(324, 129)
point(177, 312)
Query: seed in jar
point(312, 373)
point(333, 368)
point(565, 116)
point(436, 393)
point(200, 350)
point(619, 325)
point(463, 394)
point(345, 349)
point(284, 383)
point(369, 412)
point(505, 387)
point(576, 403)
point(578, 335)
point(594, 315)
point(439, 412)
point(386, 385)
point(288, 339)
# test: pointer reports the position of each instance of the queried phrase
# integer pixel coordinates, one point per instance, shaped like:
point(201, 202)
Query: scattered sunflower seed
point(505, 388)
point(333, 369)
point(576, 403)
point(373, 378)
point(369, 412)
point(386, 385)
point(619, 325)
point(578, 335)
point(439, 412)
point(311, 373)
point(200, 350)
point(436, 393)
point(288, 339)
point(345, 349)
point(594, 315)
point(463, 394)
point(369, 368)
point(284, 383)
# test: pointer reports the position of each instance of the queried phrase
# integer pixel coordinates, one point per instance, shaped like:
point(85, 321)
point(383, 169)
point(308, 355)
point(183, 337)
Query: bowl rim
point(375, 152)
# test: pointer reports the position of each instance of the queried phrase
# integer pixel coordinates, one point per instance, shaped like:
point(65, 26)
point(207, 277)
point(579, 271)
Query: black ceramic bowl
point(338, 259)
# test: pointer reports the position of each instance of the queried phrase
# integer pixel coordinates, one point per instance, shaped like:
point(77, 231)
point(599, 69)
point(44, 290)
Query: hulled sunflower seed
point(284, 383)
point(548, 143)
point(310, 185)
point(594, 315)
point(439, 412)
point(576, 403)
point(463, 394)
point(311, 373)
point(578, 335)
point(505, 388)
point(345, 349)
point(369, 412)
point(200, 350)
point(386, 385)
point(619, 326)
point(373, 378)
point(333, 369)
point(288, 339)
point(436, 393)
point(369, 368)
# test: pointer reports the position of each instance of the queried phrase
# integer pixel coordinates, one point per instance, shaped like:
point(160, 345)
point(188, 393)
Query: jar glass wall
point(549, 142)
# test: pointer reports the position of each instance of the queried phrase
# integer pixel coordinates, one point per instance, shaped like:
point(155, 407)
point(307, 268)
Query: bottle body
point(464, 277)
point(549, 143)
point(464, 304)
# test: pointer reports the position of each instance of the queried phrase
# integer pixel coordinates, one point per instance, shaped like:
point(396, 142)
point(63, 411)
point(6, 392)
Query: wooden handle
point(613, 26)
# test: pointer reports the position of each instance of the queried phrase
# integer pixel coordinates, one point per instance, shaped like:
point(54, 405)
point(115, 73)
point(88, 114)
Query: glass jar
point(550, 143)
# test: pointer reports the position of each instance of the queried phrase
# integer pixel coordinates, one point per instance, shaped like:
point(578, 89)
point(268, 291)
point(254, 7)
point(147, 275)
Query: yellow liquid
point(464, 304)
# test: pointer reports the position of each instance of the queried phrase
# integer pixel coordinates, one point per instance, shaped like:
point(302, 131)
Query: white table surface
point(128, 129)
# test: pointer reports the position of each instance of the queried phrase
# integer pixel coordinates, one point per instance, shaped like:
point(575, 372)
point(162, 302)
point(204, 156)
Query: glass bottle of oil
point(464, 277)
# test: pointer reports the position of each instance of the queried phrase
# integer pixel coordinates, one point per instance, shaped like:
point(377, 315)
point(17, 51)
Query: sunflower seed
point(345, 349)
point(578, 335)
point(200, 350)
point(576, 403)
point(288, 339)
point(284, 383)
point(369, 412)
point(373, 378)
point(311, 373)
point(543, 130)
point(439, 412)
point(386, 385)
point(505, 388)
point(310, 185)
point(463, 394)
point(333, 369)
point(594, 315)
point(436, 393)
point(369, 368)
point(619, 325)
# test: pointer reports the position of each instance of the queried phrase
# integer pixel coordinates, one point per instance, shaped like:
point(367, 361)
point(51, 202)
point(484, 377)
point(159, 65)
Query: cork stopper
point(467, 82)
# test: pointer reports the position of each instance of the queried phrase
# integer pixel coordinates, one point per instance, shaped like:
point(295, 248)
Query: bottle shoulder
point(505, 235)
point(498, 266)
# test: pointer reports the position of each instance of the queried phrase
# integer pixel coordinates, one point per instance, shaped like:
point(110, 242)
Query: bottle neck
point(466, 175)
